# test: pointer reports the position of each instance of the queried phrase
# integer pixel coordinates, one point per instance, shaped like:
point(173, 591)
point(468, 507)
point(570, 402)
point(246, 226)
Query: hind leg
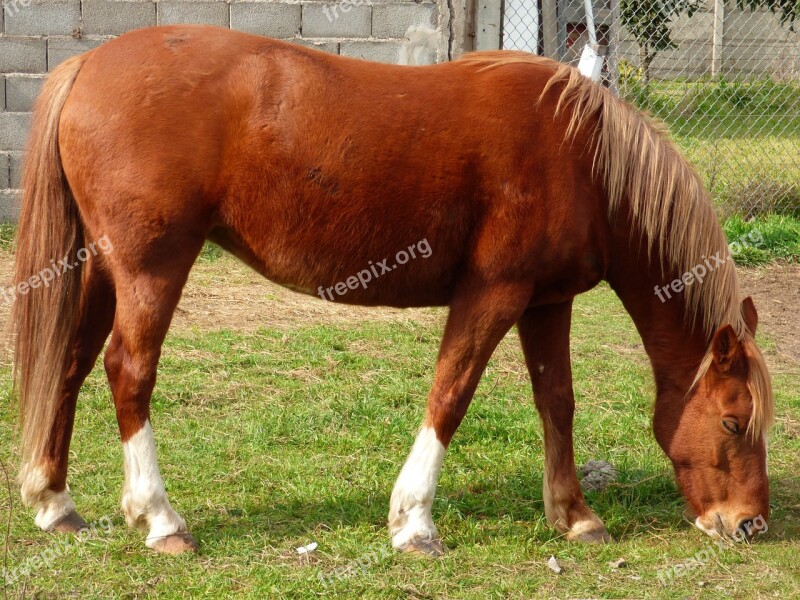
point(146, 300)
point(544, 333)
point(44, 484)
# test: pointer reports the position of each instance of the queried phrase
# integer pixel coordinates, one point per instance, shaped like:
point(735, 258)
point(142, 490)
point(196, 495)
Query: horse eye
point(731, 426)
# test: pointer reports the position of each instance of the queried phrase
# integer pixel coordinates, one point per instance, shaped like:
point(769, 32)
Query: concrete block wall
point(37, 35)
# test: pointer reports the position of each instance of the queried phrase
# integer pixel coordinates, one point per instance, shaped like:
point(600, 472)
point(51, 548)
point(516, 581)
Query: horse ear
point(750, 315)
point(725, 348)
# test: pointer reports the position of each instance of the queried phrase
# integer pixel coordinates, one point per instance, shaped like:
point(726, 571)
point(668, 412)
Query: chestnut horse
point(530, 184)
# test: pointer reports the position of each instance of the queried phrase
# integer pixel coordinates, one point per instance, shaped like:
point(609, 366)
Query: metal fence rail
point(724, 76)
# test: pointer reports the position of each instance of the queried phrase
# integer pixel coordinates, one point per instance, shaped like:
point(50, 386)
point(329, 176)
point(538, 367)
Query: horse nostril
point(745, 529)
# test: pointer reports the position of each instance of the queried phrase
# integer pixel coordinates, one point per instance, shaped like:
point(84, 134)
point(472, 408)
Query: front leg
point(544, 333)
point(479, 318)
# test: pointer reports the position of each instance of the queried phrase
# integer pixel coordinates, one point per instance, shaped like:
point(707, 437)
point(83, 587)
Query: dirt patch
point(776, 292)
point(225, 294)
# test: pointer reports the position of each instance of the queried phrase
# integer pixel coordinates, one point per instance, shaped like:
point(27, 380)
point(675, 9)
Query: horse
point(529, 184)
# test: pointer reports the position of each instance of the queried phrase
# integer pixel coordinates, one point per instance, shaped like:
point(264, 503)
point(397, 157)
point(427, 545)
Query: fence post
point(550, 28)
point(719, 30)
point(615, 38)
point(488, 29)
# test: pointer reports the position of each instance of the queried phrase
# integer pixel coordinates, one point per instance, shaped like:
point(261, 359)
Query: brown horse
point(528, 184)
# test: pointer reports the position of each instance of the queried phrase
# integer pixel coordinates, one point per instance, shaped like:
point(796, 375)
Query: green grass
point(210, 253)
point(8, 232)
point(763, 239)
point(273, 439)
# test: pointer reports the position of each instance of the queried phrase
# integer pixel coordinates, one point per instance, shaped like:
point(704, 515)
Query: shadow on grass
point(647, 503)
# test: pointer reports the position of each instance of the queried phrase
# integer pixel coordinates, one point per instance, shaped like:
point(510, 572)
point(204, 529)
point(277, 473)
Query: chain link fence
point(724, 76)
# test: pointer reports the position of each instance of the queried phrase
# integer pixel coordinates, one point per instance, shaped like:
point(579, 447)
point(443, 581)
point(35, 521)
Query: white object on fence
point(591, 63)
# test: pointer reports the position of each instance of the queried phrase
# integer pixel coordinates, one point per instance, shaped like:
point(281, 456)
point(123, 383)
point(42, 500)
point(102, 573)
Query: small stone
point(617, 564)
point(553, 565)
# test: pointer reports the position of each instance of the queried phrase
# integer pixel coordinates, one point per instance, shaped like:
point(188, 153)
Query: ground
point(282, 420)
point(237, 298)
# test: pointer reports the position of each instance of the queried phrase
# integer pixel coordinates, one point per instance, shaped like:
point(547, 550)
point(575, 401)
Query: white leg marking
point(412, 497)
point(550, 511)
point(50, 506)
point(144, 500)
point(552, 507)
point(557, 502)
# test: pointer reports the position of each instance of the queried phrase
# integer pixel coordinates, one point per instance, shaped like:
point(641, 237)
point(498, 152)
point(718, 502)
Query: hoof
point(177, 543)
point(71, 522)
point(424, 546)
point(595, 535)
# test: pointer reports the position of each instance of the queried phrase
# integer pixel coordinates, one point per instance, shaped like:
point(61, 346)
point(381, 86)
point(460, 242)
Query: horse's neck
point(674, 346)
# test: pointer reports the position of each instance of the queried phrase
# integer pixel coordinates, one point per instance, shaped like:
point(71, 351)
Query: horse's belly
point(378, 265)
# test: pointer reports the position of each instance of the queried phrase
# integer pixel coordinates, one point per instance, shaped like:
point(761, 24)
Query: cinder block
point(690, 59)
point(351, 20)
point(266, 18)
point(9, 206)
point(5, 170)
point(700, 26)
point(13, 130)
point(107, 17)
point(385, 52)
point(23, 55)
point(754, 26)
point(60, 49)
point(42, 17)
point(15, 171)
point(332, 47)
point(21, 91)
point(204, 13)
point(392, 20)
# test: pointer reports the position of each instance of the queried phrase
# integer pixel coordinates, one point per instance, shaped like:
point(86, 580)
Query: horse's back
point(309, 166)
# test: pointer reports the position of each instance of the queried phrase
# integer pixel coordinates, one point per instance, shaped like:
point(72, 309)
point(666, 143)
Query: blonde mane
point(644, 171)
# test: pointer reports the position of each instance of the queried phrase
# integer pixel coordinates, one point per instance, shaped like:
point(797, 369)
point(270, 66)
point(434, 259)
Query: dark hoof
point(595, 535)
point(177, 543)
point(424, 546)
point(71, 522)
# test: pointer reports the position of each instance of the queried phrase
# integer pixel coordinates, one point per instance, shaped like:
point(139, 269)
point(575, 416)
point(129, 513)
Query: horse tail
point(46, 299)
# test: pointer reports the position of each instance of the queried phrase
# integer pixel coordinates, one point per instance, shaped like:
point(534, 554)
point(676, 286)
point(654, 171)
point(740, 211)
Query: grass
point(763, 239)
point(272, 439)
point(210, 253)
point(8, 232)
